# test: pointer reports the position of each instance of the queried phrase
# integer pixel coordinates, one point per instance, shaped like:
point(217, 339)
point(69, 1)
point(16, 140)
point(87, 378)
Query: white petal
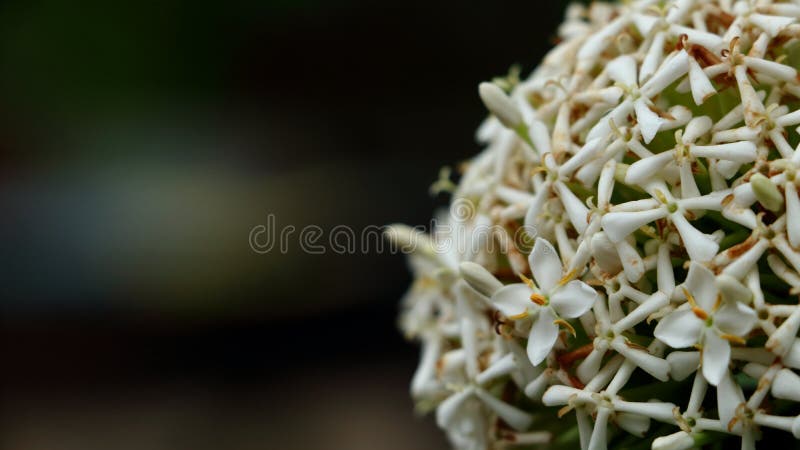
point(792, 215)
point(618, 115)
point(585, 427)
point(623, 70)
point(777, 138)
point(449, 409)
point(535, 388)
point(753, 108)
point(741, 152)
point(696, 128)
point(633, 423)
point(680, 440)
point(683, 364)
point(664, 272)
point(700, 246)
point(545, 265)
point(796, 427)
point(736, 134)
point(772, 69)
point(787, 120)
point(700, 283)
point(599, 439)
point(672, 69)
point(540, 136)
point(792, 357)
point(576, 210)
point(644, 23)
point(732, 289)
point(536, 207)
point(649, 121)
point(426, 370)
point(605, 187)
point(701, 86)
point(727, 168)
point(708, 40)
point(652, 304)
point(729, 396)
point(479, 278)
point(661, 411)
point(631, 261)
point(605, 253)
point(597, 42)
point(644, 169)
point(679, 11)
point(573, 299)
point(689, 187)
point(516, 418)
point(786, 385)
point(513, 300)
point(781, 340)
point(653, 57)
point(499, 104)
point(716, 357)
point(735, 318)
point(588, 368)
point(679, 329)
point(499, 368)
point(559, 395)
point(618, 225)
point(655, 366)
point(543, 336)
point(771, 24)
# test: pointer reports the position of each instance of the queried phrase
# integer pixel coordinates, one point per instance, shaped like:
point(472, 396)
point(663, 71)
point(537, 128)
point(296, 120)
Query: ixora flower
point(653, 159)
point(708, 322)
point(551, 299)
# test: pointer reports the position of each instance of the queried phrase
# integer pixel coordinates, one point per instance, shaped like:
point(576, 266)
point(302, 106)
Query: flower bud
point(479, 278)
point(498, 103)
point(766, 192)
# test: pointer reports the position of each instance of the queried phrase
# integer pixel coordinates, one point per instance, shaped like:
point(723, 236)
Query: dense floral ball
point(619, 266)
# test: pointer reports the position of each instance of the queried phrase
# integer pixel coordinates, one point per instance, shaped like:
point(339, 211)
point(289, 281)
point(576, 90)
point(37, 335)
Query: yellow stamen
point(538, 299)
point(566, 325)
point(698, 311)
point(733, 339)
point(660, 196)
point(689, 297)
point(568, 277)
point(538, 169)
point(564, 410)
point(680, 420)
point(527, 281)
point(717, 303)
point(519, 316)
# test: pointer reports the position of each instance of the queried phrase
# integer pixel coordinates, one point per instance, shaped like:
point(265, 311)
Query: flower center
point(539, 299)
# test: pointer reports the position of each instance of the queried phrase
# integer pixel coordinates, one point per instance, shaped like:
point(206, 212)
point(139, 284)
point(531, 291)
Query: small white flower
point(627, 218)
point(553, 298)
point(707, 322)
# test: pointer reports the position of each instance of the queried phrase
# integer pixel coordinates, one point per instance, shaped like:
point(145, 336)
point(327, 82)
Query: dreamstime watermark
point(464, 231)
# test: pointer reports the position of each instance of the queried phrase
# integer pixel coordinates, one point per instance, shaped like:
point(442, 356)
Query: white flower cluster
point(655, 152)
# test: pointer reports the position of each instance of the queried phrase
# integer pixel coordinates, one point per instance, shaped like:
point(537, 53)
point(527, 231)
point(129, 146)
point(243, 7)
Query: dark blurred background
point(140, 142)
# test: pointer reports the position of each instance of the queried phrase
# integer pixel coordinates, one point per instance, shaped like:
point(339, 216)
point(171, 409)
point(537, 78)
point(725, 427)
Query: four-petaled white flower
point(553, 298)
point(708, 321)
